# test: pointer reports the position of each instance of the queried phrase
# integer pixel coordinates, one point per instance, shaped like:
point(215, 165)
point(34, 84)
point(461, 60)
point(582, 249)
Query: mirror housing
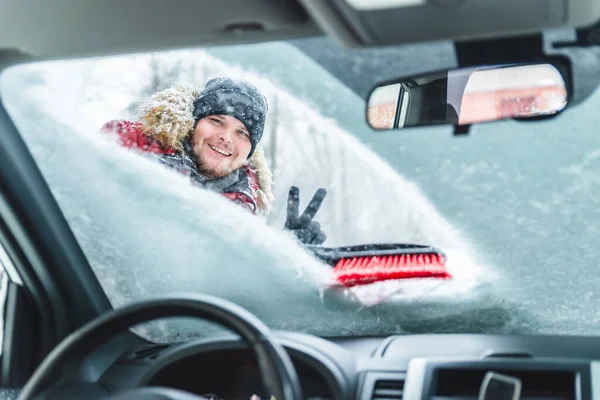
point(468, 95)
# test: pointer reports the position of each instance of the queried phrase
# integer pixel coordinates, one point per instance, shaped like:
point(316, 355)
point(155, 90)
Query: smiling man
point(212, 135)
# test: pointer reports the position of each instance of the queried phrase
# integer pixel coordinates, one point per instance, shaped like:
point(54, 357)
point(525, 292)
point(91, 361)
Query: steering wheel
point(277, 371)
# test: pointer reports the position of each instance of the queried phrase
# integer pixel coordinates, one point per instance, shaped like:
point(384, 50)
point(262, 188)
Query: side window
point(4, 264)
point(15, 362)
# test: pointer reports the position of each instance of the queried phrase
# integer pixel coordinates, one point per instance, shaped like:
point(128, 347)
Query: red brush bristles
point(364, 270)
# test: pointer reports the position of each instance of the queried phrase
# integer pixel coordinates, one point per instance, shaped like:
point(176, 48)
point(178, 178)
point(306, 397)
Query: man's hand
point(303, 226)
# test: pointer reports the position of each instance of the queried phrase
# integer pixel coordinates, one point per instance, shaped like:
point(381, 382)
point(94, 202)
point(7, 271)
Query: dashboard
point(436, 367)
point(231, 374)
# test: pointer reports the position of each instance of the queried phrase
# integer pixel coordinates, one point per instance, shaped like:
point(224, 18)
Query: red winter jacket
point(131, 135)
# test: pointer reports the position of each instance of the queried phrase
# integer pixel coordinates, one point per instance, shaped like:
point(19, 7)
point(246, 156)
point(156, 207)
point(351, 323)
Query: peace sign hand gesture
point(303, 226)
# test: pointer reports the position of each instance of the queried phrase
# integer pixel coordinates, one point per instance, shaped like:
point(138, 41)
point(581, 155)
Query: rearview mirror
point(468, 95)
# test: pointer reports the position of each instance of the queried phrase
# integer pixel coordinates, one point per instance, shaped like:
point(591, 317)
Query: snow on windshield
point(146, 231)
point(303, 148)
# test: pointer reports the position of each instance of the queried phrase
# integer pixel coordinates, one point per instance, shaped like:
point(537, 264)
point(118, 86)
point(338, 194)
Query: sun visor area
point(387, 22)
point(67, 28)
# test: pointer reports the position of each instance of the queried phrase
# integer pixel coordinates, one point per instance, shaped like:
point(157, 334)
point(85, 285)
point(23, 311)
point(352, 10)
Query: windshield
point(512, 205)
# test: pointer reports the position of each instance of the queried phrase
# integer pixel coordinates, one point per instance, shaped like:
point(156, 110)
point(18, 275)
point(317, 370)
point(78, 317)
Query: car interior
point(63, 339)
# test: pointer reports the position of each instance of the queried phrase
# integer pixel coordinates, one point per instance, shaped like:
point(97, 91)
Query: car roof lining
point(456, 20)
point(53, 29)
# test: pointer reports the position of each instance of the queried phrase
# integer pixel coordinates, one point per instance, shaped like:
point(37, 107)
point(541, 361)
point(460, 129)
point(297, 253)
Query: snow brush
point(364, 264)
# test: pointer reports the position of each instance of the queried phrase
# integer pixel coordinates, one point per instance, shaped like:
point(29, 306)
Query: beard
point(207, 170)
point(210, 172)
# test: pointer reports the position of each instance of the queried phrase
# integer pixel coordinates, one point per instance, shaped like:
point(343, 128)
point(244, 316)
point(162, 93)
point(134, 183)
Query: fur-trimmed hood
point(167, 117)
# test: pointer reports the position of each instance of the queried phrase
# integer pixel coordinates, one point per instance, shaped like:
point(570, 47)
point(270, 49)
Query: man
point(212, 135)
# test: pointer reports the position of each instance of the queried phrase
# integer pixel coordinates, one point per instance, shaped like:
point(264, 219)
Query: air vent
point(388, 390)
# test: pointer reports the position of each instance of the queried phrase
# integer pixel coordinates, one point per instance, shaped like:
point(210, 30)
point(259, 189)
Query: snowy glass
point(510, 204)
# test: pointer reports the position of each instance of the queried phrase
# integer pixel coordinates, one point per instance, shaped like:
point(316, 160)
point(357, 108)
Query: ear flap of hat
point(167, 115)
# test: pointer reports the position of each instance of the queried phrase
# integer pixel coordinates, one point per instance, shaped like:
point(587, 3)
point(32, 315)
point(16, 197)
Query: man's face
point(221, 144)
